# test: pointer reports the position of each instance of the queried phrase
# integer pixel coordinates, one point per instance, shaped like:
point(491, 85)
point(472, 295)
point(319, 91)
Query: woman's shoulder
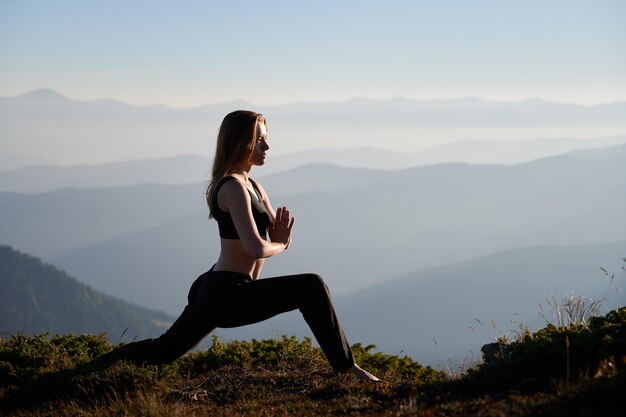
point(229, 192)
point(256, 184)
point(223, 182)
point(225, 179)
point(229, 182)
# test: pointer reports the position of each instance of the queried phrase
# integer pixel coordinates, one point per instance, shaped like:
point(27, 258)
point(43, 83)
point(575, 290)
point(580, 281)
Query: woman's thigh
point(258, 300)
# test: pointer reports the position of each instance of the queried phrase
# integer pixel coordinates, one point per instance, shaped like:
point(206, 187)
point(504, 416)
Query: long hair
point(235, 143)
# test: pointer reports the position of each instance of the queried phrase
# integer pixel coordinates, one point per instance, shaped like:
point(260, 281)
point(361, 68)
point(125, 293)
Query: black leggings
point(231, 299)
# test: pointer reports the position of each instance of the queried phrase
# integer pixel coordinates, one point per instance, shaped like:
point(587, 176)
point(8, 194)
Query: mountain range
point(37, 298)
point(50, 224)
point(145, 244)
point(44, 127)
point(186, 169)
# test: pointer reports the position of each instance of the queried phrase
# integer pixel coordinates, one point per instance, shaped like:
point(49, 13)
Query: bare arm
point(279, 216)
point(234, 198)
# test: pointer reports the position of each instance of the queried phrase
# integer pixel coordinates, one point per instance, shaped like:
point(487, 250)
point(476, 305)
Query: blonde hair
point(235, 143)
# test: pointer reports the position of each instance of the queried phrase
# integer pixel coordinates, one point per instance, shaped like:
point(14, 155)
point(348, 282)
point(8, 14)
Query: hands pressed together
point(280, 229)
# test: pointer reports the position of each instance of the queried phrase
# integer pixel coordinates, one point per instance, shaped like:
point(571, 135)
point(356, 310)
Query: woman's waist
point(237, 262)
point(215, 275)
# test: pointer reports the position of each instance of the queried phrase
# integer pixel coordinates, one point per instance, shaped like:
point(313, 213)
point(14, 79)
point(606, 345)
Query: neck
point(243, 171)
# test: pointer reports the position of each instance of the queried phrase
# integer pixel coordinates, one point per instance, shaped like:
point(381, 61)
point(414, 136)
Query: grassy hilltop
point(578, 369)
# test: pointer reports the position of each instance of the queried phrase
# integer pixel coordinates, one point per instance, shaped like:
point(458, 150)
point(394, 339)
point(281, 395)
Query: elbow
point(257, 250)
point(257, 247)
point(259, 253)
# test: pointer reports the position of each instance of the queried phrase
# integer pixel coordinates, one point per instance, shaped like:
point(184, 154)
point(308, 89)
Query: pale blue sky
point(187, 53)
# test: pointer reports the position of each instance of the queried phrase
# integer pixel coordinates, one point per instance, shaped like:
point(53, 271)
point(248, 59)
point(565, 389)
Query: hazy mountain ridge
point(107, 130)
point(506, 287)
point(461, 111)
point(177, 170)
point(186, 169)
point(52, 223)
point(519, 111)
point(36, 298)
point(456, 212)
point(149, 263)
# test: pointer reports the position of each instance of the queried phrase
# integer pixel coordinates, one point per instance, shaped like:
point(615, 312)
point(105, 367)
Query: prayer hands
point(280, 229)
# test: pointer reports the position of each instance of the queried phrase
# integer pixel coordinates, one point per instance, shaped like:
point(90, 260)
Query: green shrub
point(26, 357)
point(566, 352)
point(272, 352)
point(290, 352)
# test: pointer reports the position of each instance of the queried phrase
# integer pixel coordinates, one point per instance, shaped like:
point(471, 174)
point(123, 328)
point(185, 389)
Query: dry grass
point(578, 369)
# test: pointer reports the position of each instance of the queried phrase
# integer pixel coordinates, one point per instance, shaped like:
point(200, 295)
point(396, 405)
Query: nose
point(266, 147)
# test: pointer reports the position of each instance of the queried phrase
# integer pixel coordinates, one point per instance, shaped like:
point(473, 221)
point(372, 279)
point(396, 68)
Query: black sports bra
point(225, 221)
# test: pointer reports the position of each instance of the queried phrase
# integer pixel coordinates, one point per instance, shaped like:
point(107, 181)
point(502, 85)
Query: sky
point(189, 53)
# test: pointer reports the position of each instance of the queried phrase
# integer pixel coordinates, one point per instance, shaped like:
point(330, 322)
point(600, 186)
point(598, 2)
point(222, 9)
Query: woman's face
point(260, 145)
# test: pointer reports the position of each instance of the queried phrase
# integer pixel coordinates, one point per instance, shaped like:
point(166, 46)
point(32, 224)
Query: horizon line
point(301, 102)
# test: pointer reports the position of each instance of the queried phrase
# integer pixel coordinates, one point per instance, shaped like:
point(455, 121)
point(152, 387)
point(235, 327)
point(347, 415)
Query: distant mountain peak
point(44, 94)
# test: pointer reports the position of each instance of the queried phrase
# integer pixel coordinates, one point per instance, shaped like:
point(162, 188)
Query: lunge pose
point(231, 294)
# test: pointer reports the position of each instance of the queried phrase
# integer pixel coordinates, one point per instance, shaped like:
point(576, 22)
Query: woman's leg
point(254, 301)
point(186, 332)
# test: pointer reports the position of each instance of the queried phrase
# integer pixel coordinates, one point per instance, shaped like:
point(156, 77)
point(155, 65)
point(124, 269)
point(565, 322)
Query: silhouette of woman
point(231, 294)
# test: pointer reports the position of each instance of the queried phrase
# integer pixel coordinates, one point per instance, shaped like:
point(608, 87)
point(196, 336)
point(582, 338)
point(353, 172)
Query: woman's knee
point(315, 282)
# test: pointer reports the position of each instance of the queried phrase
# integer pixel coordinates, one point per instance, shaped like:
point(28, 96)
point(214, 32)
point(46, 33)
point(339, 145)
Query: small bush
point(24, 357)
point(272, 352)
point(564, 352)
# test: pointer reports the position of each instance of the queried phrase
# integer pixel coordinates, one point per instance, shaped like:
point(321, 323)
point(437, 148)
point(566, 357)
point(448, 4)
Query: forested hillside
point(36, 297)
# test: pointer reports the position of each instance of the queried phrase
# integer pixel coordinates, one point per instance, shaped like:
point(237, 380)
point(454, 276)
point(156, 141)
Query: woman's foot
point(362, 374)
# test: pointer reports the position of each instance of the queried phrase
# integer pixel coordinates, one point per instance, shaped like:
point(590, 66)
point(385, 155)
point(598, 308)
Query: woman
point(231, 293)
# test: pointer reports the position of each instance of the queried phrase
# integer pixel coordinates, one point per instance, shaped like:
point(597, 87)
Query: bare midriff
point(233, 257)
